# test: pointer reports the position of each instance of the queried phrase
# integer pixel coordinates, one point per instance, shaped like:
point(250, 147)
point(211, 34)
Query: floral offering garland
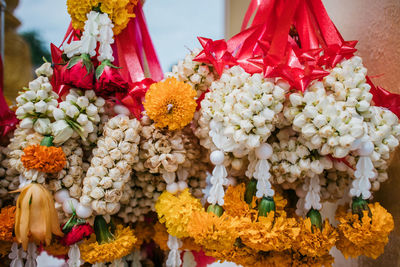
point(230, 157)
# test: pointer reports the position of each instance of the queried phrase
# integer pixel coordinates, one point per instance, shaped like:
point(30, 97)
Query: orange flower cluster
point(7, 221)
point(367, 236)
point(242, 236)
point(45, 159)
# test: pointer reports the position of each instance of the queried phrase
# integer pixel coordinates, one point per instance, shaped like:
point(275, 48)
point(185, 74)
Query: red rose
point(109, 81)
point(79, 72)
point(77, 233)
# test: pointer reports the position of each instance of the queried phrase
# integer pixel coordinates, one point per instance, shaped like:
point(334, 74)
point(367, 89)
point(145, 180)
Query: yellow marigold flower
point(270, 233)
point(367, 236)
point(299, 260)
point(7, 221)
point(119, 12)
point(170, 103)
point(312, 241)
point(144, 232)
point(161, 236)
point(122, 245)
point(176, 211)
point(213, 232)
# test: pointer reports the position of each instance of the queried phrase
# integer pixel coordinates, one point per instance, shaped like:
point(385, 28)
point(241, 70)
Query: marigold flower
point(299, 260)
point(367, 236)
point(213, 232)
point(144, 232)
point(122, 245)
point(161, 236)
point(120, 12)
point(57, 250)
point(269, 233)
point(312, 241)
point(36, 218)
point(176, 211)
point(170, 103)
point(7, 221)
point(235, 204)
point(45, 159)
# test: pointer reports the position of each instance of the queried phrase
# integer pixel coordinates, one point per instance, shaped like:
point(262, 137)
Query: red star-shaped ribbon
point(215, 53)
point(298, 67)
point(335, 53)
point(135, 97)
point(384, 98)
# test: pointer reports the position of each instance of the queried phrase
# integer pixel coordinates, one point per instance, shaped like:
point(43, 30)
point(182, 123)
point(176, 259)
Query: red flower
point(79, 72)
point(77, 233)
point(109, 80)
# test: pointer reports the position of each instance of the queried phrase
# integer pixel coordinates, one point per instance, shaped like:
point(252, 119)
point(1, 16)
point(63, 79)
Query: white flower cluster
point(111, 165)
point(35, 105)
point(240, 110)
point(140, 196)
point(292, 161)
point(161, 152)
point(72, 174)
point(98, 28)
point(22, 139)
point(7, 182)
point(79, 115)
point(199, 75)
point(327, 125)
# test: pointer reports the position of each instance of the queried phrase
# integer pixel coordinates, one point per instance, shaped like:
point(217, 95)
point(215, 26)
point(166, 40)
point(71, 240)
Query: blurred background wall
point(376, 24)
point(17, 56)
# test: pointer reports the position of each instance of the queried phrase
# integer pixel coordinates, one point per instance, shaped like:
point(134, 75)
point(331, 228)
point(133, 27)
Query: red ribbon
point(135, 97)
point(342, 160)
point(384, 98)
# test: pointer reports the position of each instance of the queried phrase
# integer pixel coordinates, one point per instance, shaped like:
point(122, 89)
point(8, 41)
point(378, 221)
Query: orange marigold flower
point(122, 245)
point(235, 205)
point(45, 159)
point(56, 249)
point(299, 260)
point(144, 232)
point(161, 236)
point(367, 236)
point(170, 103)
point(189, 244)
point(312, 241)
point(7, 221)
point(269, 233)
point(213, 232)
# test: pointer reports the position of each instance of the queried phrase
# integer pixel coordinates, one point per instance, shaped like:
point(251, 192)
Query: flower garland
point(119, 12)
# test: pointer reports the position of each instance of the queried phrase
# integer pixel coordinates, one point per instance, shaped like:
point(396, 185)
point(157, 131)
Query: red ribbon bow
point(215, 53)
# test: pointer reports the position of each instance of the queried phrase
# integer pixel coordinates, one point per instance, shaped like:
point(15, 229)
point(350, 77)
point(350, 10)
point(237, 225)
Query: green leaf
point(73, 61)
point(99, 71)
